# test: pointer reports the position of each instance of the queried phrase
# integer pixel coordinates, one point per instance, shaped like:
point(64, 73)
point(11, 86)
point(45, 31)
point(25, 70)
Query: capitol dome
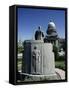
point(51, 30)
point(52, 25)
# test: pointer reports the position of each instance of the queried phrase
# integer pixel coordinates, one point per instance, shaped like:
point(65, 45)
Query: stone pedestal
point(38, 58)
point(59, 75)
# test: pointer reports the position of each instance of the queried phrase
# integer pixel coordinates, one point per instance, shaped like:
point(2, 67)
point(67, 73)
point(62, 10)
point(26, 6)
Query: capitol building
point(51, 36)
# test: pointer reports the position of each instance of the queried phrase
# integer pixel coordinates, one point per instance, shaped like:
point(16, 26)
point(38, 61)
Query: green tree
point(55, 50)
point(63, 46)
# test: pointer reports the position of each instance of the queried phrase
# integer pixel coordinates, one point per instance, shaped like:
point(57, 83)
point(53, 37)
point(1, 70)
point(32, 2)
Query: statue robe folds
point(36, 61)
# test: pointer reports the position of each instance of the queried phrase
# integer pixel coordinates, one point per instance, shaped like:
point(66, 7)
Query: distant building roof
point(52, 25)
point(51, 30)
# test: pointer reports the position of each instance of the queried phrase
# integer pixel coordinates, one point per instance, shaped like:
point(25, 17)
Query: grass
point(60, 64)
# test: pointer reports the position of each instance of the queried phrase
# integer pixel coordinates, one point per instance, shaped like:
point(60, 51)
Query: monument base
point(59, 75)
point(30, 77)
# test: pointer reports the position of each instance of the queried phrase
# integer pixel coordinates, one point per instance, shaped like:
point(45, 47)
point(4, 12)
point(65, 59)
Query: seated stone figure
point(36, 60)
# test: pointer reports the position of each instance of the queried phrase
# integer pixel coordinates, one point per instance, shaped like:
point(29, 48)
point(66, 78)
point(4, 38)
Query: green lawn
point(60, 64)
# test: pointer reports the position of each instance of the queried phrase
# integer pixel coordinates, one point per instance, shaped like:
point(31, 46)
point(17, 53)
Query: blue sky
point(30, 19)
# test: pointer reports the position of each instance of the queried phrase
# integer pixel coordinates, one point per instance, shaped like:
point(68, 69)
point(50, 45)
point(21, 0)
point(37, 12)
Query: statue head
point(39, 27)
point(35, 47)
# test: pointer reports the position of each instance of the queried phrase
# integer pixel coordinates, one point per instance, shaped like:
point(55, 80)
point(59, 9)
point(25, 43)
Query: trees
point(20, 48)
point(55, 50)
point(63, 46)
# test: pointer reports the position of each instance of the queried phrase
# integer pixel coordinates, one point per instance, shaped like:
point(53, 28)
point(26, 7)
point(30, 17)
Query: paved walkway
point(60, 72)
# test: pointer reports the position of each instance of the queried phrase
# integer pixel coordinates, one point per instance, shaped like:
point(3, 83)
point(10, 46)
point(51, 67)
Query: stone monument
point(39, 63)
point(39, 57)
